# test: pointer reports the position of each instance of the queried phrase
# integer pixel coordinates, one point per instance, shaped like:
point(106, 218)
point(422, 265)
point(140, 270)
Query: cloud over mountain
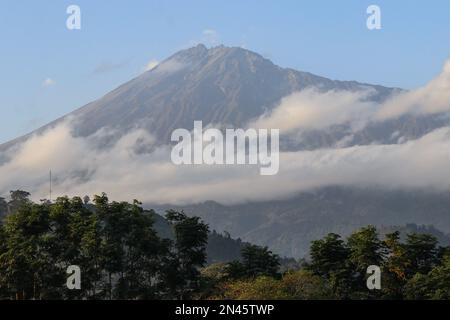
point(118, 144)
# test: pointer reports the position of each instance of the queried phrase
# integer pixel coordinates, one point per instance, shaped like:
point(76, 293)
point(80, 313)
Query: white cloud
point(151, 65)
point(124, 174)
point(431, 99)
point(210, 37)
point(311, 109)
point(81, 168)
point(48, 82)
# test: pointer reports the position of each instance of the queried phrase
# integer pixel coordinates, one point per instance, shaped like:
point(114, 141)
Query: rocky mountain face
point(221, 85)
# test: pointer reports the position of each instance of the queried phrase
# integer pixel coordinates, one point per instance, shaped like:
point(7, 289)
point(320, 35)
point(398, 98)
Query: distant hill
point(220, 248)
point(288, 226)
point(444, 239)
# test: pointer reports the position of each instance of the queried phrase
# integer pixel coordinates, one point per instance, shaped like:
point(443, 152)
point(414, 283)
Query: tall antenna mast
point(50, 185)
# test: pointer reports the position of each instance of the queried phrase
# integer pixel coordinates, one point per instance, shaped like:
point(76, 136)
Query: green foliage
point(113, 243)
point(413, 266)
point(223, 248)
point(182, 275)
point(303, 285)
point(298, 285)
point(433, 285)
point(3, 207)
point(121, 256)
point(330, 259)
point(365, 250)
point(422, 253)
point(256, 261)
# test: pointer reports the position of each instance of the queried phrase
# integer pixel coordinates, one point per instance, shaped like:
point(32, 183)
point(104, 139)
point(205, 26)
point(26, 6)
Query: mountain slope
point(221, 85)
point(230, 87)
point(288, 226)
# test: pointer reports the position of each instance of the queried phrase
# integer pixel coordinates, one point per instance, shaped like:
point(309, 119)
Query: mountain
point(221, 85)
point(221, 248)
point(288, 226)
point(230, 86)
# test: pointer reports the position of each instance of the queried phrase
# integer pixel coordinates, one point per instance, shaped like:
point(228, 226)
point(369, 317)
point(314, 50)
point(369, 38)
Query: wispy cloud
point(106, 67)
point(209, 37)
point(48, 82)
point(125, 172)
point(431, 99)
point(311, 109)
point(151, 65)
point(314, 109)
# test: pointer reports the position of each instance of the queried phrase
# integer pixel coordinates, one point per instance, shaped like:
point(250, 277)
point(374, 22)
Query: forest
point(122, 255)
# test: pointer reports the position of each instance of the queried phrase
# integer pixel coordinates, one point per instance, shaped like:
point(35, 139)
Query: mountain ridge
point(227, 85)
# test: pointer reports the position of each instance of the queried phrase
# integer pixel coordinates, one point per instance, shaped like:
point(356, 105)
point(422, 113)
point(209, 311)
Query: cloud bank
point(312, 109)
point(135, 167)
point(125, 173)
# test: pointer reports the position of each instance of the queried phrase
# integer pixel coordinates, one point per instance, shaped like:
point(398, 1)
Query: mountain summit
point(220, 85)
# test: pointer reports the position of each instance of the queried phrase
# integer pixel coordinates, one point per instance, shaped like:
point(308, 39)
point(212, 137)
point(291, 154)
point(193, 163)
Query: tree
point(422, 253)
point(256, 261)
point(395, 266)
point(3, 278)
point(434, 285)
point(365, 250)
point(260, 288)
point(235, 270)
point(3, 207)
point(298, 285)
point(24, 260)
point(260, 261)
point(188, 254)
point(303, 285)
point(18, 198)
point(330, 260)
point(86, 199)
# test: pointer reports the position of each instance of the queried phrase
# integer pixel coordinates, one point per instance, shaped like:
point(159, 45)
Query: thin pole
point(50, 185)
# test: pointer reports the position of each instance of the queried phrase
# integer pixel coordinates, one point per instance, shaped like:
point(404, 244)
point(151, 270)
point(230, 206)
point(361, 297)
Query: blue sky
point(119, 38)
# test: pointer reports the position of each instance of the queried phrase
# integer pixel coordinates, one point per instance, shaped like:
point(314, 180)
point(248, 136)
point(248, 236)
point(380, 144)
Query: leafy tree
point(18, 198)
point(298, 285)
point(365, 249)
point(303, 285)
point(260, 288)
point(188, 254)
point(329, 260)
point(260, 261)
point(256, 261)
point(235, 270)
point(3, 207)
point(24, 261)
point(395, 266)
point(434, 285)
point(422, 253)
point(3, 279)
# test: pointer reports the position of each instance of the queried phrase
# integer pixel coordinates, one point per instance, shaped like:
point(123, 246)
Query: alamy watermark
point(73, 21)
point(235, 147)
point(374, 280)
point(373, 22)
point(74, 279)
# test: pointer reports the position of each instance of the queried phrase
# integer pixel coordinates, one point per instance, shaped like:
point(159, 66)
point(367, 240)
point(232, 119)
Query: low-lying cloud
point(126, 173)
point(313, 109)
point(135, 167)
